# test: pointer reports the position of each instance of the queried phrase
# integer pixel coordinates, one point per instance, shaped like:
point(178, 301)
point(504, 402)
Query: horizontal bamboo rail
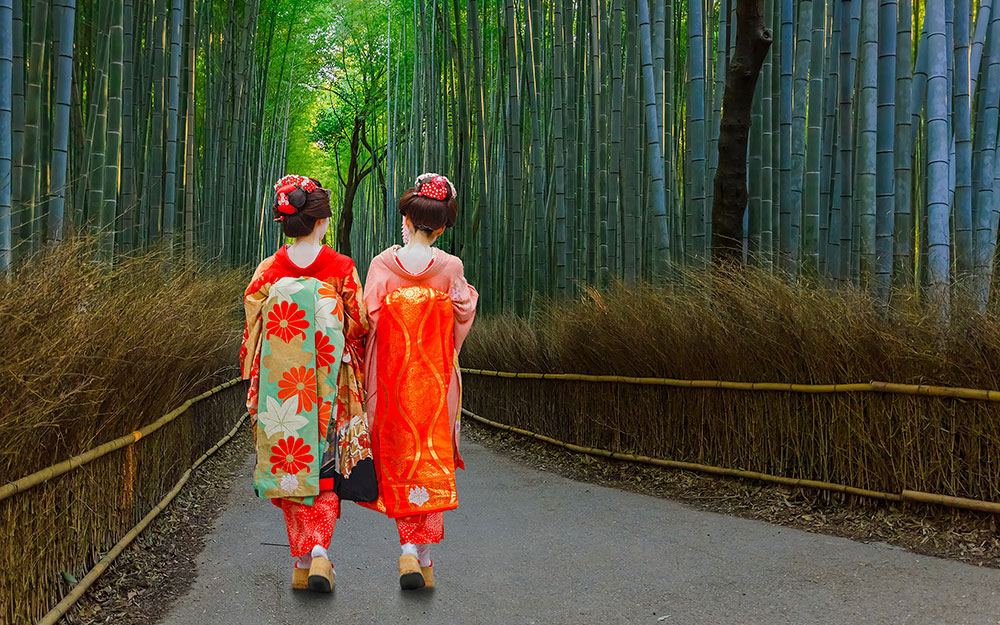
point(952, 502)
point(906, 495)
point(691, 466)
point(869, 387)
point(38, 477)
point(74, 595)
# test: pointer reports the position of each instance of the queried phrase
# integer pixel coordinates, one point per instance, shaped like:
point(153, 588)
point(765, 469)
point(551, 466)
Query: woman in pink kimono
point(420, 309)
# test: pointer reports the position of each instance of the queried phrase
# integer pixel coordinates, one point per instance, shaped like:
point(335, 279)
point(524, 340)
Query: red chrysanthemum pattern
point(325, 351)
point(325, 412)
point(286, 320)
point(299, 382)
point(291, 455)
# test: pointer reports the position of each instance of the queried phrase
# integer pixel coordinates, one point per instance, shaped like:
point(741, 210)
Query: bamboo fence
point(81, 513)
point(69, 600)
point(46, 474)
point(803, 442)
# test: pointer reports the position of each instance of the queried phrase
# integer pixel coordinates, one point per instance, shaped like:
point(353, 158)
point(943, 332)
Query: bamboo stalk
point(74, 595)
point(952, 502)
point(870, 387)
point(46, 474)
point(6, 148)
point(936, 391)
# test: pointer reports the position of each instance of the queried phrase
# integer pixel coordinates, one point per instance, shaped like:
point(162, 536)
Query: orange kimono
point(414, 388)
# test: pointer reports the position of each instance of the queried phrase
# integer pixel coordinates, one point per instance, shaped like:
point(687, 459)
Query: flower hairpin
point(435, 186)
point(285, 186)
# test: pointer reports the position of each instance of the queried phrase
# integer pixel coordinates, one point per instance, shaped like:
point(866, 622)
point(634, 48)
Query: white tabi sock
point(305, 561)
point(410, 548)
point(320, 552)
point(424, 554)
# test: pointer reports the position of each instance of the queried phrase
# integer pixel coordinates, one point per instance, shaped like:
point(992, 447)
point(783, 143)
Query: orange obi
point(412, 439)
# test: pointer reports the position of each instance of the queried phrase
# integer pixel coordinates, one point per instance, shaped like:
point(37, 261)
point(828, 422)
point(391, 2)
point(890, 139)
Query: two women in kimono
point(347, 386)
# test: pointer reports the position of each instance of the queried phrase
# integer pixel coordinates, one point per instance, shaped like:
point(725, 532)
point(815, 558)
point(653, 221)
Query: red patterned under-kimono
point(414, 388)
point(313, 525)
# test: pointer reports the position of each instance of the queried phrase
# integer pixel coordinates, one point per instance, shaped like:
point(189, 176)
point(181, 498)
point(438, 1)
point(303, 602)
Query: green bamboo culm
point(6, 113)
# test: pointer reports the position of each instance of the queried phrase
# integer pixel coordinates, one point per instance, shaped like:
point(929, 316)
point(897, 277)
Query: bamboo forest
point(712, 259)
point(583, 137)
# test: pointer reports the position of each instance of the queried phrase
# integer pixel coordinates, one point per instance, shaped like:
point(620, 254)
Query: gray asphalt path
point(527, 547)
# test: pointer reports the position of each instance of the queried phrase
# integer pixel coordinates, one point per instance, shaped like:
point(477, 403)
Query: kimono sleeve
point(465, 308)
point(356, 323)
point(375, 290)
point(254, 299)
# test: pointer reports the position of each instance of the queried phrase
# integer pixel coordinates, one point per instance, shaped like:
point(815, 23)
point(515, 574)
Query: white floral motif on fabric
point(289, 483)
point(284, 289)
point(329, 313)
point(418, 495)
point(281, 417)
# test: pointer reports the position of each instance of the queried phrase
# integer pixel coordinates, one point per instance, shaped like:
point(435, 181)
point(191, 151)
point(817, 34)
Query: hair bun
point(297, 198)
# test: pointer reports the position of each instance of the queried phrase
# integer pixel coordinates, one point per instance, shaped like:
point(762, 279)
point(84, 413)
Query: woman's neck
point(305, 250)
point(420, 239)
point(417, 254)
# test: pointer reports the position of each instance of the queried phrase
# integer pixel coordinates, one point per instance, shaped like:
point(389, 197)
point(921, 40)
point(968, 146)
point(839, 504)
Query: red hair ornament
point(285, 186)
point(436, 189)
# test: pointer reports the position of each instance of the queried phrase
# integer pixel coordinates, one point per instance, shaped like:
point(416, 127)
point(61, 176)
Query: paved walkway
point(532, 547)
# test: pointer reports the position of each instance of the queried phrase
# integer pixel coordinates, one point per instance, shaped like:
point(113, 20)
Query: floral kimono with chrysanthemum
point(303, 347)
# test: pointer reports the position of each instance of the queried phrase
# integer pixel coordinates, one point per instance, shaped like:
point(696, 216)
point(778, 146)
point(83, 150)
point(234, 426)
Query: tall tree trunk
point(903, 153)
point(615, 169)
point(696, 136)
point(191, 122)
point(986, 193)
point(753, 39)
point(153, 180)
point(962, 133)
point(792, 112)
point(867, 96)
point(127, 196)
point(17, 122)
point(483, 203)
point(811, 184)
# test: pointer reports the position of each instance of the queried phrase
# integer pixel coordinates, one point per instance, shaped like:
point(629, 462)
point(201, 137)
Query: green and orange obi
point(300, 358)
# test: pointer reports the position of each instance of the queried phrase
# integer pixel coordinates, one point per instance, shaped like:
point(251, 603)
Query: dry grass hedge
point(89, 354)
point(753, 327)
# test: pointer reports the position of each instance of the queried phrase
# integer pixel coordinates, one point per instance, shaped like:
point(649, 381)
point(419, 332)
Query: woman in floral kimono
point(421, 309)
point(302, 352)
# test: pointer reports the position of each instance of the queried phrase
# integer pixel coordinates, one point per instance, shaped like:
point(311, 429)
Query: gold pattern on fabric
point(415, 454)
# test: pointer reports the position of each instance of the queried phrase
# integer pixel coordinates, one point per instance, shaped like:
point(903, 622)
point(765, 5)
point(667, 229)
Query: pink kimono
point(386, 275)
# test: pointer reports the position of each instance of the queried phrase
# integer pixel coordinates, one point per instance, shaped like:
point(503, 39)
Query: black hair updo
point(309, 208)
